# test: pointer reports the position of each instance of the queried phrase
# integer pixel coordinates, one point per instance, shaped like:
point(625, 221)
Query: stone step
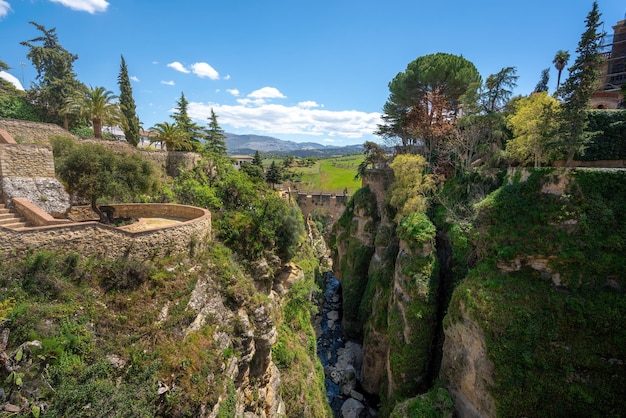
point(10, 221)
point(15, 225)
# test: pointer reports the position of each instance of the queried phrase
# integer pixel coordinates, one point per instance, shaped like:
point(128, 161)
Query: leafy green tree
point(235, 189)
point(481, 132)
point(192, 131)
point(257, 160)
point(375, 155)
point(426, 99)
point(270, 223)
point(56, 79)
point(535, 124)
point(215, 136)
point(253, 171)
point(289, 161)
point(542, 85)
point(498, 89)
point(412, 185)
point(13, 103)
point(583, 80)
point(560, 61)
point(127, 105)
point(192, 188)
point(273, 175)
point(92, 172)
point(96, 105)
point(170, 134)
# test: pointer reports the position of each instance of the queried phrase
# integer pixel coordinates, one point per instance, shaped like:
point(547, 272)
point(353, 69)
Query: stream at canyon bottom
point(341, 359)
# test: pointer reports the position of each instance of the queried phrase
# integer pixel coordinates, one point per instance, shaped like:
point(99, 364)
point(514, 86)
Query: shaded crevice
point(444, 293)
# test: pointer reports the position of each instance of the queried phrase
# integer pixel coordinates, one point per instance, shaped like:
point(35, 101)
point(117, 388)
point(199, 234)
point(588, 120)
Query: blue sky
point(301, 71)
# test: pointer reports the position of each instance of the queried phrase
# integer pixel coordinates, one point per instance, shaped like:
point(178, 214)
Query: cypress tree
point(130, 124)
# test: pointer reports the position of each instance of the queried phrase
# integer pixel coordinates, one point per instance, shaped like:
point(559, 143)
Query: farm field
point(328, 175)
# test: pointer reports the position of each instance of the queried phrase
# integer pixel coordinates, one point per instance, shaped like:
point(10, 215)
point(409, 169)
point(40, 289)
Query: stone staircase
point(11, 220)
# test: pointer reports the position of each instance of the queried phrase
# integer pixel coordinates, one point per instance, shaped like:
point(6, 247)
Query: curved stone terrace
point(160, 230)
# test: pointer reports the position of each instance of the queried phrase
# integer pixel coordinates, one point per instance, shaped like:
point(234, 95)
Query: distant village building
point(239, 159)
point(609, 95)
point(144, 137)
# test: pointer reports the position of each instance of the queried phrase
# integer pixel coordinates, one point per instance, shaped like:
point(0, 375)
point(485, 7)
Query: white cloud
point(89, 6)
point(308, 104)
point(134, 78)
point(252, 102)
point(274, 119)
point(267, 93)
point(155, 62)
point(178, 67)
point(169, 83)
point(202, 69)
point(329, 140)
point(234, 92)
point(227, 77)
point(5, 8)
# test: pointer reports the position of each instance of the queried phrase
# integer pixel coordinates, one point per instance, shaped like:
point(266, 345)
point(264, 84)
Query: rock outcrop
point(465, 369)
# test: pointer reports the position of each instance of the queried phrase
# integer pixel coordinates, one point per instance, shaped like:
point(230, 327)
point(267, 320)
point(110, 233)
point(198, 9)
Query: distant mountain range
point(249, 144)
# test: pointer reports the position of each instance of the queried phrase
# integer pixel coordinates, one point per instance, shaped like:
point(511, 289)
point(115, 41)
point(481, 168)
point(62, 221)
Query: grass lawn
point(328, 175)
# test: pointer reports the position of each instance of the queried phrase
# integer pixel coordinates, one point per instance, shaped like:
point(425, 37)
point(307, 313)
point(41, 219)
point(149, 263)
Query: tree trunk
point(103, 217)
point(97, 128)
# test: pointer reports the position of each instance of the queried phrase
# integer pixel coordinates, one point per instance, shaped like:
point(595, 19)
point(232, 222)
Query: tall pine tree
point(130, 124)
point(583, 80)
point(215, 137)
point(257, 160)
point(273, 175)
point(184, 122)
point(56, 79)
point(542, 85)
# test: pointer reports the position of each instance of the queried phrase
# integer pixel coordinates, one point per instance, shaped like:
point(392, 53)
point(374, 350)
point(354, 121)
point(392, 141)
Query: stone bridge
point(330, 203)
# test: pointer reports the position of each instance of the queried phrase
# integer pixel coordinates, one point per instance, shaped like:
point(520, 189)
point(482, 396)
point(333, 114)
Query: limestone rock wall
point(465, 369)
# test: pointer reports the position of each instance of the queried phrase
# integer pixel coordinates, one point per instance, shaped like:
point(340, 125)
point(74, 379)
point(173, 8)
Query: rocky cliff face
point(532, 327)
point(389, 297)
point(466, 369)
point(178, 337)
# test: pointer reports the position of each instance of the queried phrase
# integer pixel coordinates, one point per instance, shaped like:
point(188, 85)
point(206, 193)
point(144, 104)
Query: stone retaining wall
point(31, 161)
point(27, 132)
point(93, 238)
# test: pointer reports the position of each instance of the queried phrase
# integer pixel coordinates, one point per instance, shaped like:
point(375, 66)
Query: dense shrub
point(609, 139)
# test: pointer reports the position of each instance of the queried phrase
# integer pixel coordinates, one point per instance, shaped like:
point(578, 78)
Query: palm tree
point(560, 61)
point(95, 104)
point(172, 135)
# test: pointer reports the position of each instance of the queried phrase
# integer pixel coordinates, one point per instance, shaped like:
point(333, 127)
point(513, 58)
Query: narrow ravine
point(341, 359)
point(444, 291)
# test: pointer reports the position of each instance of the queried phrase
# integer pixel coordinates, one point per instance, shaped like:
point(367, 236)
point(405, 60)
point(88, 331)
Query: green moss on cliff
point(295, 350)
point(412, 317)
point(557, 350)
point(358, 253)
